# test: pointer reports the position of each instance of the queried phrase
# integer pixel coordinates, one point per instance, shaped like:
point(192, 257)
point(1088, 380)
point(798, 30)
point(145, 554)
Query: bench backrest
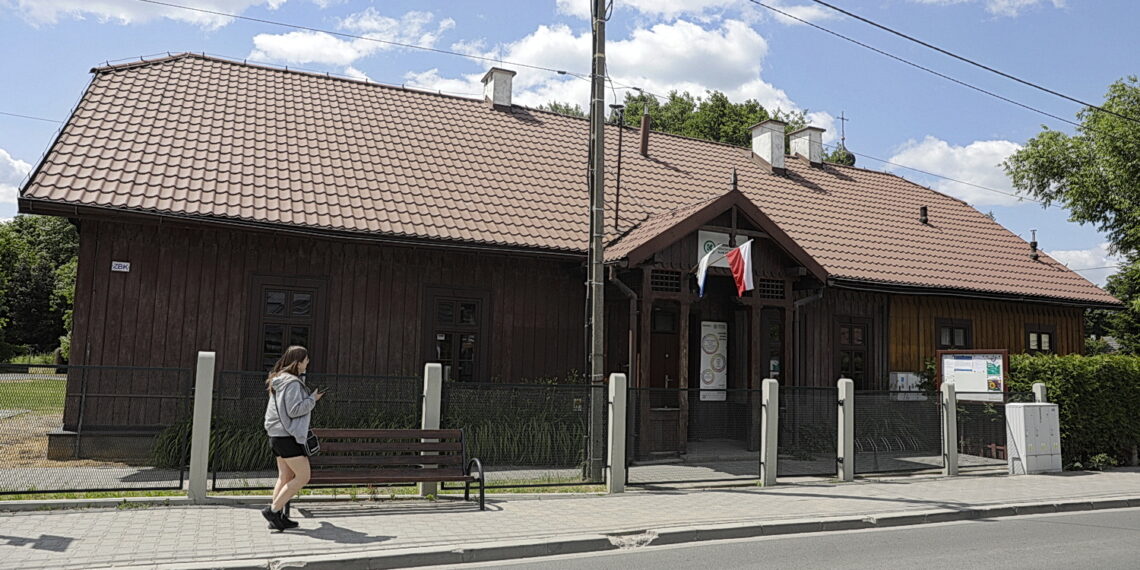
point(397, 448)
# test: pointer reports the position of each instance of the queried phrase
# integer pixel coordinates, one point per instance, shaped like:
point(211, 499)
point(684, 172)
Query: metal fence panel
point(897, 431)
point(982, 429)
point(692, 435)
point(93, 428)
point(240, 457)
point(809, 431)
point(526, 435)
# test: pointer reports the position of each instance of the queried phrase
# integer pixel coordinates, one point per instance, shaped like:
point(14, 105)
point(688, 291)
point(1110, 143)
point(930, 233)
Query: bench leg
point(466, 490)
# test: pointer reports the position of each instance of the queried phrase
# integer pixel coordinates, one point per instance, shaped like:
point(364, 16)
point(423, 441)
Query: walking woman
point(287, 424)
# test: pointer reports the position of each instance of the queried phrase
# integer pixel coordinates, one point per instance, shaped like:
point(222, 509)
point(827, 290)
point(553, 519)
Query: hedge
point(1098, 397)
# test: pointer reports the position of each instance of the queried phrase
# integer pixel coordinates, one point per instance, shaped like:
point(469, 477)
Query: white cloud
point(976, 163)
point(12, 173)
point(354, 73)
point(999, 7)
point(133, 12)
point(681, 56)
point(303, 47)
point(1096, 263)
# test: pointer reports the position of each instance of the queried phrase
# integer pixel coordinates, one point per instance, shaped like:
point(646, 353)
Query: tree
point(563, 109)
point(840, 156)
point(32, 251)
point(1095, 174)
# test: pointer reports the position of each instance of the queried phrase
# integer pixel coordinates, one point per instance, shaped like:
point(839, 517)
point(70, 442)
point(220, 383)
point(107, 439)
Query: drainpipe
point(797, 344)
point(632, 321)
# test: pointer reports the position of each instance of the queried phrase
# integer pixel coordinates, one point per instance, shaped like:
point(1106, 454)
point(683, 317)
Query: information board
point(978, 375)
point(714, 361)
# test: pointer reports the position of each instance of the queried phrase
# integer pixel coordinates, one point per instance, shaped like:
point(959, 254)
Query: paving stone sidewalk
point(235, 535)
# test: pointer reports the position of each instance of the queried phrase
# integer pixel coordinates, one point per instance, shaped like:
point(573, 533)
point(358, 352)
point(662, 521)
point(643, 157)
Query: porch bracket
point(200, 429)
point(846, 445)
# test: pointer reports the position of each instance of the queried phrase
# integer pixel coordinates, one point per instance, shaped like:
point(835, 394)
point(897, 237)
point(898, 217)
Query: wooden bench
point(380, 456)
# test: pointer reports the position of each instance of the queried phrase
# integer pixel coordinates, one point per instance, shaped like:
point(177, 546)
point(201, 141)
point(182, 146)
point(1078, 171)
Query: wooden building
point(236, 208)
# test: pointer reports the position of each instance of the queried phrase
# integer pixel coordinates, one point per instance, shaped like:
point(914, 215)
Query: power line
point(30, 117)
point(366, 38)
point(1092, 268)
point(915, 65)
point(974, 63)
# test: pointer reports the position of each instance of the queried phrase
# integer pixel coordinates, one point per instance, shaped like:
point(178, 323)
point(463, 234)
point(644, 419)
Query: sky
point(898, 118)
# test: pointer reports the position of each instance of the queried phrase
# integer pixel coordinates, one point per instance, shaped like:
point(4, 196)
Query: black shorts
point(286, 447)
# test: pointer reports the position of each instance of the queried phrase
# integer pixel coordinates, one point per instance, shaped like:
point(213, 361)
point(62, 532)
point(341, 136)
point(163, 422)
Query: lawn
point(41, 396)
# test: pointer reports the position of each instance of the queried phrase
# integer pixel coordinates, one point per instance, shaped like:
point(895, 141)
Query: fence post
point(200, 429)
point(615, 471)
point(846, 444)
point(1039, 393)
point(949, 430)
point(769, 431)
point(433, 388)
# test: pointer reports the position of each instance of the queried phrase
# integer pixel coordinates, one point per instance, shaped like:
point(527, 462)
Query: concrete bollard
point(615, 462)
point(769, 431)
point(1039, 393)
point(200, 429)
point(949, 430)
point(845, 447)
point(433, 389)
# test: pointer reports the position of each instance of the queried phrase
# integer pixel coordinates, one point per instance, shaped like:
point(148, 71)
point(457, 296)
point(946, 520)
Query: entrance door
point(664, 393)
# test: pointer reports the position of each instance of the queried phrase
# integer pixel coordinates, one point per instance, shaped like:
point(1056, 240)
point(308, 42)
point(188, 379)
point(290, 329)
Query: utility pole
point(596, 286)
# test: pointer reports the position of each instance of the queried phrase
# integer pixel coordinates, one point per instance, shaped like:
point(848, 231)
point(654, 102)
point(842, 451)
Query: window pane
point(1046, 341)
point(466, 371)
point(467, 348)
point(274, 336)
point(845, 363)
point(299, 336)
point(443, 347)
point(844, 335)
point(302, 304)
point(959, 338)
point(445, 312)
point(1033, 344)
point(857, 336)
point(857, 363)
point(468, 313)
point(274, 302)
point(944, 336)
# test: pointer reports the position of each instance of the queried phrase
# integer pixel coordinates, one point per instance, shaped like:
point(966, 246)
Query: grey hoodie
point(294, 401)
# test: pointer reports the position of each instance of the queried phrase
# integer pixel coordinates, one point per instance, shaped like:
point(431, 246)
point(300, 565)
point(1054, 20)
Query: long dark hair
point(289, 362)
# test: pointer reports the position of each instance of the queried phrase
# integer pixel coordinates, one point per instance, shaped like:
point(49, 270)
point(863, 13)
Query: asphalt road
point(1098, 539)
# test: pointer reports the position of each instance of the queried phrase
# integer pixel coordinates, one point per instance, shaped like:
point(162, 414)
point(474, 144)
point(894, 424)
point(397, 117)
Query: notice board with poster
point(714, 361)
point(978, 375)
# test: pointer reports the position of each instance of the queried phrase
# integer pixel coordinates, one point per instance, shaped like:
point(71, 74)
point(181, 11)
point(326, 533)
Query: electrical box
point(1033, 438)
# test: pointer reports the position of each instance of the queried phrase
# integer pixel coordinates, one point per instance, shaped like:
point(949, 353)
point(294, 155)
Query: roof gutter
point(881, 287)
point(51, 208)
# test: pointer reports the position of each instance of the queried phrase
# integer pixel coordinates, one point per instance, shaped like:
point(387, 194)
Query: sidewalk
point(413, 532)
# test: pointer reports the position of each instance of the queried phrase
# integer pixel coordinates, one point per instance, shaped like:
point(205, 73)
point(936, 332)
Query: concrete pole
point(597, 284)
point(845, 447)
point(433, 388)
point(949, 430)
point(200, 429)
point(1039, 393)
point(615, 474)
point(769, 431)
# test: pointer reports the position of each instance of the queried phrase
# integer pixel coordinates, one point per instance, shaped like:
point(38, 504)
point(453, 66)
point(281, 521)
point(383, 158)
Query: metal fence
point(982, 428)
point(809, 431)
point(93, 428)
point(240, 457)
point(526, 435)
point(692, 435)
point(897, 431)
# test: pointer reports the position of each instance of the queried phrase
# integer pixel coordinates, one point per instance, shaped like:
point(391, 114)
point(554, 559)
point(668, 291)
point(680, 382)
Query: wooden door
point(664, 378)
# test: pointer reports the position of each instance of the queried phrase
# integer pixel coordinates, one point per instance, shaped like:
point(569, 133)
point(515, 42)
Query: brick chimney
point(768, 143)
point(808, 143)
point(497, 87)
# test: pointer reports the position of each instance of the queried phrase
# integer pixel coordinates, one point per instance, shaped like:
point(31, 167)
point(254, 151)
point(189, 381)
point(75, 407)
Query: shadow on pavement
point(333, 533)
point(44, 542)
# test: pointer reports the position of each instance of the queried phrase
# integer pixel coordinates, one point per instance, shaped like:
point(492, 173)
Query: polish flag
point(740, 262)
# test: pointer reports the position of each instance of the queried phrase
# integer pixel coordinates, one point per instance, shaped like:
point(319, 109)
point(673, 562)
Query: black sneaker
point(276, 520)
point(289, 523)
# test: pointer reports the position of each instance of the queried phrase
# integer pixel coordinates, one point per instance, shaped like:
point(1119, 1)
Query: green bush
point(1098, 397)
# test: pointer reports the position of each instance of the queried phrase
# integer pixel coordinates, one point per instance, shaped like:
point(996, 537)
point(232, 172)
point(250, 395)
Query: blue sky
point(896, 112)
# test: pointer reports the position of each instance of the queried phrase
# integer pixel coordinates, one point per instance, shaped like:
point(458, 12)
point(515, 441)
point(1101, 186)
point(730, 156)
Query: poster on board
point(714, 361)
point(978, 375)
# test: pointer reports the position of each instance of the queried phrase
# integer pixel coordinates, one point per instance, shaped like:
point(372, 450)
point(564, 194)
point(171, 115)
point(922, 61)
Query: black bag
point(312, 444)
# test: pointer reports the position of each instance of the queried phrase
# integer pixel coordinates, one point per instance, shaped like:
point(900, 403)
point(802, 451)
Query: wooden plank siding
point(190, 289)
point(816, 355)
point(995, 324)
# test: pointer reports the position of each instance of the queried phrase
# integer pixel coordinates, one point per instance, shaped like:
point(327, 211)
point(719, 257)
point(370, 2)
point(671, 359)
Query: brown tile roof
point(208, 138)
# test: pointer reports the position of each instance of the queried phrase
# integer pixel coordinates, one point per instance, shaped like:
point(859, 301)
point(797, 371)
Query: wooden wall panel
point(817, 361)
point(995, 324)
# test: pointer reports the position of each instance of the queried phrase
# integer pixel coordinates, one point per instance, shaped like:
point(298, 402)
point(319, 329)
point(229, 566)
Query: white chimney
point(497, 87)
point(768, 142)
point(808, 142)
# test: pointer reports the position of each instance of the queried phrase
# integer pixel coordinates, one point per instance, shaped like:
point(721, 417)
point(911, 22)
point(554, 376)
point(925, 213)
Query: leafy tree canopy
point(32, 251)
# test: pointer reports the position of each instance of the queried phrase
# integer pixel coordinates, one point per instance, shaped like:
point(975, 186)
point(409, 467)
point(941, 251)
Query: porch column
point(683, 378)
